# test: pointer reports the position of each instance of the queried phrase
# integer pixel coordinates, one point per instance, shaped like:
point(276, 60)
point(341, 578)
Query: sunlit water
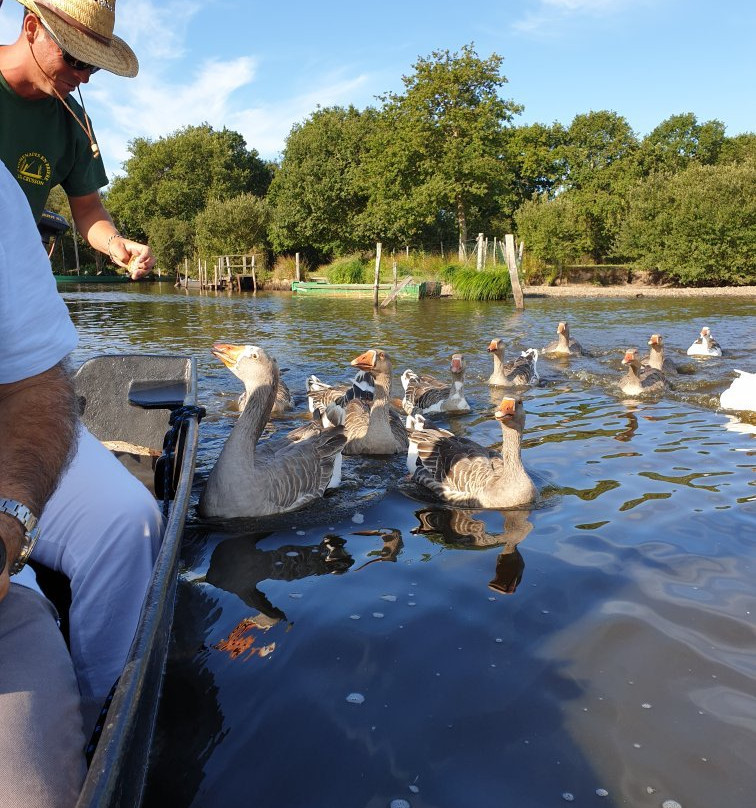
point(598, 648)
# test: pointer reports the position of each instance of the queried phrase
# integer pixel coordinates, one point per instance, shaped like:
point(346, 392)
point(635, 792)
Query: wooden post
point(514, 277)
point(494, 252)
point(254, 274)
point(297, 275)
point(377, 273)
point(395, 271)
point(479, 264)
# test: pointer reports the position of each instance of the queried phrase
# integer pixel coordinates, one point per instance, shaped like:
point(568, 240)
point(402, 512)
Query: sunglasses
point(77, 64)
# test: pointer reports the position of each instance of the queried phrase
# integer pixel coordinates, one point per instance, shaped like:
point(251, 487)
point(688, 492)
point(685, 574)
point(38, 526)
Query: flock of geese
point(254, 478)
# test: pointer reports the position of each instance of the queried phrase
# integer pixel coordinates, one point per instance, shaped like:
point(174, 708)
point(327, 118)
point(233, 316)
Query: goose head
point(375, 360)
point(631, 358)
point(496, 346)
point(250, 363)
point(563, 328)
point(511, 413)
point(655, 341)
point(457, 364)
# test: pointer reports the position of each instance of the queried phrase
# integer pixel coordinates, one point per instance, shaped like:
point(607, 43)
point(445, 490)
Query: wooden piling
point(377, 276)
point(513, 274)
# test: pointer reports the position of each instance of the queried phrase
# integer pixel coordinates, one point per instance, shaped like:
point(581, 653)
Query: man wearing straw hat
point(101, 528)
point(46, 137)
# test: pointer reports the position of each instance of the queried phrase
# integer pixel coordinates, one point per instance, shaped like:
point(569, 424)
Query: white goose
point(427, 394)
point(370, 426)
point(519, 371)
point(656, 358)
point(320, 394)
point(251, 479)
point(741, 394)
point(564, 345)
point(462, 472)
point(640, 379)
point(705, 345)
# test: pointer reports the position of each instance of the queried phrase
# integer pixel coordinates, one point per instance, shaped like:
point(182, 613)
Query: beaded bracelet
point(110, 238)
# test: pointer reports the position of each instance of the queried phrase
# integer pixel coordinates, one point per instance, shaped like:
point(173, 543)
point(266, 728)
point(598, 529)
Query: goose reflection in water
point(239, 566)
point(460, 529)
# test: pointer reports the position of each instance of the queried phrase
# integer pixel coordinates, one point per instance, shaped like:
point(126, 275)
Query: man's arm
point(95, 224)
point(38, 424)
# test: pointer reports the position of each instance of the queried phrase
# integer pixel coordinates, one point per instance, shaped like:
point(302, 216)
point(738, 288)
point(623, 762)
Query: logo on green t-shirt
point(35, 168)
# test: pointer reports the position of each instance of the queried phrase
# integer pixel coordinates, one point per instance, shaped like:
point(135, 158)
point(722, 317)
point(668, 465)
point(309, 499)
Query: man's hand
point(136, 257)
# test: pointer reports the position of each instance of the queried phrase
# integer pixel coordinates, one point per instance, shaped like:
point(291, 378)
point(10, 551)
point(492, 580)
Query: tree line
point(443, 159)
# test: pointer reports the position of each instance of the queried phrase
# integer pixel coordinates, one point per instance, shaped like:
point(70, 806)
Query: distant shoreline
point(635, 290)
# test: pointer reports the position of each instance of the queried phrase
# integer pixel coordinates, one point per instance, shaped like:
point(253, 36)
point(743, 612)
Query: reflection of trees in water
point(459, 529)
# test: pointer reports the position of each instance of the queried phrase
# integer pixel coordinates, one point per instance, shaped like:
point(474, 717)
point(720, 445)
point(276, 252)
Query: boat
point(408, 290)
point(85, 277)
point(144, 408)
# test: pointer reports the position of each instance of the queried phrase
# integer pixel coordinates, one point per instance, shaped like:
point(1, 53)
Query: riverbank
point(636, 290)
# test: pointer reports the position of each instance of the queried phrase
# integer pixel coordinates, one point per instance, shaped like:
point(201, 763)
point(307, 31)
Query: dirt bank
point(635, 290)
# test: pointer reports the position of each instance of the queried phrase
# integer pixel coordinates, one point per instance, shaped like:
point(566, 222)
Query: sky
point(258, 66)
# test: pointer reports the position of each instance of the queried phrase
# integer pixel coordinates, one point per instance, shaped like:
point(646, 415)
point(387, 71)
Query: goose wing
point(293, 473)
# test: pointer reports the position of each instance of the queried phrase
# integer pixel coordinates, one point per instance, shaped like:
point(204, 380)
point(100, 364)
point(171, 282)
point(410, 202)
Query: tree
point(172, 240)
point(594, 142)
point(316, 196)
point(175, 176)
point(697, 227)
point(550, 230)
point(678, 141)
point(536, 153)
point(232, 226)
point(440, 147)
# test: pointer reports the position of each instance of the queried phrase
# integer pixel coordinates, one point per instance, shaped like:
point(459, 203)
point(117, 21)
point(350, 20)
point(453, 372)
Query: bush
point(469, 284)
point(285, 268)
point(351, 269)
point(695, 227)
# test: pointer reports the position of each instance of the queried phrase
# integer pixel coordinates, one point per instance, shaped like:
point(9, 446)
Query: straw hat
point(84, 28)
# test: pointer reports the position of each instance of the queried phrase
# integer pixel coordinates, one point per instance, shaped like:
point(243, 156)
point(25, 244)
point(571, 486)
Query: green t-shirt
point(43, 146)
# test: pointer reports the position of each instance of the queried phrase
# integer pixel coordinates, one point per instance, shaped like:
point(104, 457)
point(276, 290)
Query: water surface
point(379, 647)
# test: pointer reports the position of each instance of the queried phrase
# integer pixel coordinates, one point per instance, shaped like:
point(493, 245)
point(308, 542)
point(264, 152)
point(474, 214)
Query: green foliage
point(285, 268)
point(469, 284)
point(678, 141)
point(593, 143)
point(435, 155)
point(175, 176)
point(172, 240)
point(551, 230)
point(697, 227)
point(351, 269)
point(316, 195)
point(232, 226)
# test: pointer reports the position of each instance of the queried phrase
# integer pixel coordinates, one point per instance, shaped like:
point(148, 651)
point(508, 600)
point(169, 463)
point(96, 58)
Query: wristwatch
point(31, 531)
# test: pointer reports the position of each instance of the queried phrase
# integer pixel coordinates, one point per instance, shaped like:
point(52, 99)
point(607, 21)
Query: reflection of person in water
point(459, 529)
point(238, 566)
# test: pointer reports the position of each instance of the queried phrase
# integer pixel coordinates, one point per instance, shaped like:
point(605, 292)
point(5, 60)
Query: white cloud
point(548, 17)
point(155, 30)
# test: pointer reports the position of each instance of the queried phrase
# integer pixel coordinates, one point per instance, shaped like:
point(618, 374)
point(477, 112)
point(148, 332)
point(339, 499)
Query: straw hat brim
point(116, 56)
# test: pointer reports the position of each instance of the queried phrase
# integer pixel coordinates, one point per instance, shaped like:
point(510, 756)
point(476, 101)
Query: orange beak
point(365, 361)
point(227, 353)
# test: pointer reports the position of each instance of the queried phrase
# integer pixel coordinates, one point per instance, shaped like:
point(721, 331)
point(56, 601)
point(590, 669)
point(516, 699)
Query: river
point(376, 649)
